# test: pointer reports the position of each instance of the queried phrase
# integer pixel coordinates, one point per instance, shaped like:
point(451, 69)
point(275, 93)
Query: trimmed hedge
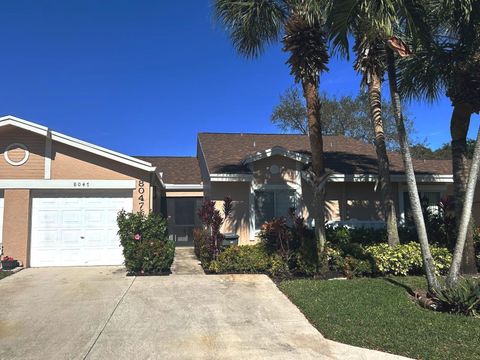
point(146, 247)
point(406, 259)
point(252, 259)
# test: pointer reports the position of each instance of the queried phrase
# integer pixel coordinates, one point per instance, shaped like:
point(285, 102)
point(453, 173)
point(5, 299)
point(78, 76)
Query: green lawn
point(377, 314)
point(4, 274)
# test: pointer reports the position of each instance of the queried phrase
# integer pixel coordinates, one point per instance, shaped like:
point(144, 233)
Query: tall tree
point(448, 62)
point(385, 18)
point(370, 61)
point(251, 25)
point(345, 115)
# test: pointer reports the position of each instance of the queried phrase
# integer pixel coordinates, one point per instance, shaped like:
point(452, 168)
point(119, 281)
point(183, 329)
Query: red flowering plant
point(9, 263)
point(146, 247)
point(208, 242)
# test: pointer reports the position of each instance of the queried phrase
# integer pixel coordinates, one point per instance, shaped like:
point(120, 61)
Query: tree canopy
point(345, 115)
point(423, 152)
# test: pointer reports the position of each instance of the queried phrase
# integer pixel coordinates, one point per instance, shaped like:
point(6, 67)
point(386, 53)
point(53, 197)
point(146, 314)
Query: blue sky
point(143, 77)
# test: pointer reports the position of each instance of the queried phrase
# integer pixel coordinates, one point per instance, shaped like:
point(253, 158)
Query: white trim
point(79, 144)
point(231, 177)
point(16, 163)
point(296, 186)
point(352, 178)
point(67, 184)
point(355, 224)
point(277, 150)
point(425, 178)
point(394, 178)
point(183, 186)
point(48, 156)
point(23, 124)
point(251, 208)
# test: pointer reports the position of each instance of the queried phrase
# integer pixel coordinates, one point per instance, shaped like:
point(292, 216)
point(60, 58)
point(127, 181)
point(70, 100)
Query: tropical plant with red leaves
point(212, 220)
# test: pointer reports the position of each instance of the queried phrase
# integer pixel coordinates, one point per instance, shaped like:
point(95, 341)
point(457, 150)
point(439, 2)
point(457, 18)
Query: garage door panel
point(76, 231)
point(47, 238)
point(70, 238)
point(95, 217)
point(46, 219)
point(44, 255)
point(71, 257)
point(71, 218)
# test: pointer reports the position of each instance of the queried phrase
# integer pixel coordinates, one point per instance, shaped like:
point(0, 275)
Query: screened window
point(185, 211)
point(271, 204)
point(430, 201)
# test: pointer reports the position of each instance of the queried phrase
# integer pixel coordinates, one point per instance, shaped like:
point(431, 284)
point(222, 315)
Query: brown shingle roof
point(176, 169)
point(224, 153)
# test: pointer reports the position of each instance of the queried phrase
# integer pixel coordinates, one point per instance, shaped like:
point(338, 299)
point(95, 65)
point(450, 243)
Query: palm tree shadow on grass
point(407, 288)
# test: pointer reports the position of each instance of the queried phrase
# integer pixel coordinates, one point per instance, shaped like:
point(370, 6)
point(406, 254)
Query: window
point(271, 204)
point(430, 200)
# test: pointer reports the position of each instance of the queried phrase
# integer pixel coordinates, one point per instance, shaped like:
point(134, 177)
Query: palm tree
point(370, 61)
point(386, 18)
point(448, 62)
point(252, 24)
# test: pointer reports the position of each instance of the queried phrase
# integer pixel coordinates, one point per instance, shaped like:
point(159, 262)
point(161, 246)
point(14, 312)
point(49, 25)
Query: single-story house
point(59, 196)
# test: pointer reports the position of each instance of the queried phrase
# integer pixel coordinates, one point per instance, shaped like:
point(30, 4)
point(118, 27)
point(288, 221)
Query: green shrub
point(145, 243)
point(201, 247)
point(341, 235)
point(295, 244)
point(463, 299)
point(406, 259)
point(248, 259)
point(353, 267)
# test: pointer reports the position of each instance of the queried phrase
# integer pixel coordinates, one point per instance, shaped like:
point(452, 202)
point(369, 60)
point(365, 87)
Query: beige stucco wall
point(287, 171)
point(34, 168)
point(239, 219)
point(363, 202)
point(16, 224)
point(345, 201)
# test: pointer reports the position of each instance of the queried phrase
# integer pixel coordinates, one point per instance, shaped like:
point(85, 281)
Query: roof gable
point(76, 143)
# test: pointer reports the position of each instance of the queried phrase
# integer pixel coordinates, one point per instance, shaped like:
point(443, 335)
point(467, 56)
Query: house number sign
point(81, 184)
point(141, 196)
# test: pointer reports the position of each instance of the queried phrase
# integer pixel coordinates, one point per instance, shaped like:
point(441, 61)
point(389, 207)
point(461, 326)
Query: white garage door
point(77, 228)
point(1, 220)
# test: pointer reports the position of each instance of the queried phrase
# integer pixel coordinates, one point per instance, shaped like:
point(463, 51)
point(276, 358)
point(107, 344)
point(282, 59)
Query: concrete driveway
point(99, 313)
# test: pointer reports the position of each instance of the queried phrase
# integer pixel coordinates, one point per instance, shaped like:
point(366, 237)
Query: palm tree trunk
point(453, 274)
point(310, 92)
point(375, 99)
point(428, 265)
point(459, 125)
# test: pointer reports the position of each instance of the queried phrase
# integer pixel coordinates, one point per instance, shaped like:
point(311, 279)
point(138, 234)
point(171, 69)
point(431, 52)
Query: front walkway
point(185, 262)
point(99, 313)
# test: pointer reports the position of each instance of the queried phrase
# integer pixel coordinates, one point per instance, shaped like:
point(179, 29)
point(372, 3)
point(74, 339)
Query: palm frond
point(307, 45)
point(252, 24)
point(423, 76)
point(342, 15)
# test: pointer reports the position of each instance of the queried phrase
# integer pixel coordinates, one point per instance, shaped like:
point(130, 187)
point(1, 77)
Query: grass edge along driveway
point(378, 314)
